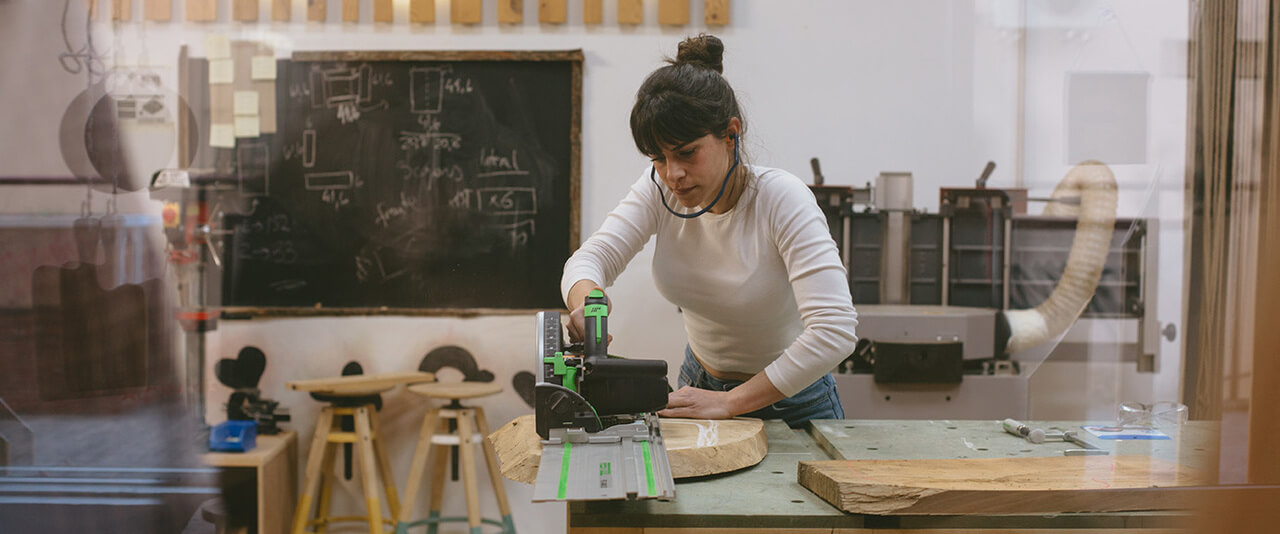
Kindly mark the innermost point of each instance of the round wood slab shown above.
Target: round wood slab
(695, 447)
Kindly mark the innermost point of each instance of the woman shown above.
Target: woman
(747, 255)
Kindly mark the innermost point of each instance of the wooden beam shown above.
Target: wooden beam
(630, 11)
(553, 11)
(466, 11)
(510, 11)
(717, 12)
(422, 11)
(93, 9)
(673, 12)
(122, 10)
(202, 10)
(350, 10)
(244, 10)
(383, 11)
(158, 10)
(592, 11)
(317, 10)
(281, 10)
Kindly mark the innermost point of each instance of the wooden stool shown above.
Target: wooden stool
(429, 440)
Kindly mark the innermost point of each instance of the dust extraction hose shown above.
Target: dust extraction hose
(1093, 186)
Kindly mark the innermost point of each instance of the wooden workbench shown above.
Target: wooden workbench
(768, 498)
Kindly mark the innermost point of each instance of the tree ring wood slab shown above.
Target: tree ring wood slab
(695, 447)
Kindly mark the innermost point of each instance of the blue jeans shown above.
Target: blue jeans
(818, 401)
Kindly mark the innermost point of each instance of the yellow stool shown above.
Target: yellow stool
(358, 403)
(428, 443)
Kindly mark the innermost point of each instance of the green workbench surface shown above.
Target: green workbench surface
(767, 495)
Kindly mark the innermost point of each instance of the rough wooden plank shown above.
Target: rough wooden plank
(716, 12)
(592, 11)
(245, 10)
(673, 12)
(630, 11)
(432, 55)
(93, 9)
(202, 10)
(1058, 484)
(466, 11)
(158, 10)
(317, 10)
(422, 11)
(350, 10)
(695, 447)
(281, 10)
(383, 11)
(510, 11)
(553, 11)
(122, 10)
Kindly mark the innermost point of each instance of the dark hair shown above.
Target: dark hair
(686, 99)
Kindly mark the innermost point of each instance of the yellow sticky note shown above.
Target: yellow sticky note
(247, 126)
(222, 136)
(264, 68)
(246, 103)
(217, 46)
(221, 71)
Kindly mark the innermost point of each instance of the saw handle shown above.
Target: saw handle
(595, 315)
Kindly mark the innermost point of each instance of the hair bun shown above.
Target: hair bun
(702, 50)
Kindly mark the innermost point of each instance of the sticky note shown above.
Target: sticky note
(221, 71)
(247, 126)
(264, 68)
(222, 136)
(246, 103)
(217, 46)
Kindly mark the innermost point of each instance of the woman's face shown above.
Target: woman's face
(694, 171)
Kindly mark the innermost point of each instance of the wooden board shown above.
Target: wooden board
(244, 10)
(122, 10)
(630, 11)
(202, 10)
(466, 11)
(383, 11)
(350, 10)
(158, 10)
(317, 10)
(422, 11)
(695, 447)
(1054, 484)
(281, 10)
(510, 11)
(553, 11)
(674, 12)
(717, 12)
(359, 383)
(592, 11)
(93, 9)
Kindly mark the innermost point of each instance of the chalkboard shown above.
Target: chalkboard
(410, 180)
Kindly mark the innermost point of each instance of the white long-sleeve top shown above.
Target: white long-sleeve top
(761, 286)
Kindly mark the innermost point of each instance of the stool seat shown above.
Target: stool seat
(455, 390)
(348, 392)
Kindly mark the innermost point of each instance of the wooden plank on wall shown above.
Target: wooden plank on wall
(244, 10)
(202, 10)
(422, 11)
(510, 11)
(350, 10)
(553, 11)
(281, 10)
(592, 11)
(466, 11)
(630, 11)
(122, 10)
(675, 12)
(317, 10)
(158, 10)
(383, 11)
(93, 9)
(717, 12)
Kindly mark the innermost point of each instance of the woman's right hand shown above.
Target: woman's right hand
(577, 325)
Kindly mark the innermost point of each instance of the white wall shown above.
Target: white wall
(922, 86)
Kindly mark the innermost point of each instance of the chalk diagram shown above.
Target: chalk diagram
(348, 90)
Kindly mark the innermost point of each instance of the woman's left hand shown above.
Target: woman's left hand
(693, 403)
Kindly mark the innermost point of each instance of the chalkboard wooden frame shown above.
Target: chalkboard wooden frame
(575, 60)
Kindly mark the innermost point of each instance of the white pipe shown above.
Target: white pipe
(1095, 186)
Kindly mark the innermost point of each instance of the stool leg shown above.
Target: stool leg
(368, 469)
(319, 443)
(384, 469)
(441, 453)
(326, 488)
(495, 475)
(466, 456)
(421, 454)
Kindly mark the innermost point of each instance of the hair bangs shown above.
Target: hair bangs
(664, 122)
